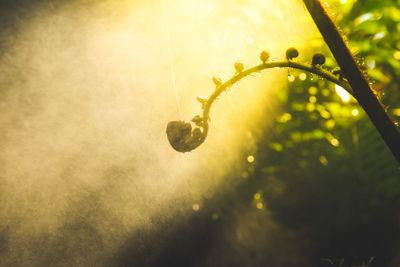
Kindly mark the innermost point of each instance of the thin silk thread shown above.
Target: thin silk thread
(171, 59)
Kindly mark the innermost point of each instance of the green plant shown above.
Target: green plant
(354, 81)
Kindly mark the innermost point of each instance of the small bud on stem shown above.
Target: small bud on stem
(201, 99)
(198, 120)
(239, 67)
(217, 81)
(318, 59)
(291, 53)
(264, 56)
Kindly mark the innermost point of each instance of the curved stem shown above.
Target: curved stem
(184, 139)
(267, 65)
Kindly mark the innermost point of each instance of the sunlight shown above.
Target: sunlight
(89, 109)
(250, 159)
(344, 95)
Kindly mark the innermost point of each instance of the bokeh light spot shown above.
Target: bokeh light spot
(310, 107)
(196, 207)
(285, 117)
(330, 124)
(396, 55)
(334, 142)
(312, 90)
(250, 159)
(325, 114)
(323, 160)
(344, 95)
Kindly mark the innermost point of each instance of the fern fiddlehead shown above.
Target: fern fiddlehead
(184, 138)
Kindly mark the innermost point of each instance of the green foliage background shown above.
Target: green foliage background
(345, 196)
(321, 170)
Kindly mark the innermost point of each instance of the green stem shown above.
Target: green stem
(355, 77)
(268, 65)
(183, 141)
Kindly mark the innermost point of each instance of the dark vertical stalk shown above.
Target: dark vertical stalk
(355, 77)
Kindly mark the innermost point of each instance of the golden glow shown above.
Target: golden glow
(334, 142)
(260, 205)
(250, 159)
(89, 94)
(344, 95)
(355, 112)
(312, 99)
(257, 196)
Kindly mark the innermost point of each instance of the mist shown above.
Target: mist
(85, 96)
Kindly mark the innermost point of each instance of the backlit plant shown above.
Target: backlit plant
(183, 137)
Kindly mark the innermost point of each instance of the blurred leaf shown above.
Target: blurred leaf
(378, 75)
(369, 27)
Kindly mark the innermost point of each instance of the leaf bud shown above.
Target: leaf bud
(291, 53)
(264, 56)
(217, 80)
(197, 119)
(202, 99)
(318, 59)
(239, 67)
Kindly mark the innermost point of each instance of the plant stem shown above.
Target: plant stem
(263, 66)
(273, 64)
(355, 77)
(194, 140)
